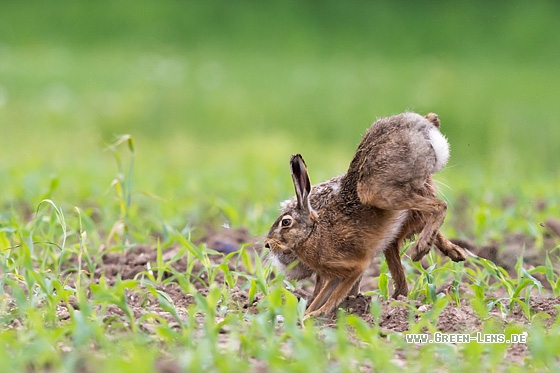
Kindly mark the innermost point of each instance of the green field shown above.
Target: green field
(214, 98)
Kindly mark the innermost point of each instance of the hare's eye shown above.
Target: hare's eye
(286, 222)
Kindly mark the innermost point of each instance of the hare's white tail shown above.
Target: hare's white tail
(441, 147)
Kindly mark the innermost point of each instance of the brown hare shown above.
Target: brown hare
(336, 227)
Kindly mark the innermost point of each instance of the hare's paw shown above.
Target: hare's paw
(455, 253)
(400, 291)
(311, 314)
(315, 314)
(449, 249)
(419, 250)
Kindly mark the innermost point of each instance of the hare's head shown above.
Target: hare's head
(296, 224)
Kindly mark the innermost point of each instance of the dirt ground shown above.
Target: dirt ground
(394, 317)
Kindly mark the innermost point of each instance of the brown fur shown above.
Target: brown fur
(386, 196)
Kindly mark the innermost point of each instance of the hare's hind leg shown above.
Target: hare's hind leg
(449, 249)
(437, 210)
(393, 257)
(434, 211)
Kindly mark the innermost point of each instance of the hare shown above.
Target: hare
(388, 195)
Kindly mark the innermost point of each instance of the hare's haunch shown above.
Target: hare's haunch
(336, 227)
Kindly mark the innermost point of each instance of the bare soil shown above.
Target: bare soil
(395, 314)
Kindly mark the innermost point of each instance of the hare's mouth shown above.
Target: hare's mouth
(276, 247)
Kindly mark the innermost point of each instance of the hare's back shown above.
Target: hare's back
(396, 156)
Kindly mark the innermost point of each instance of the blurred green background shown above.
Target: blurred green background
(217, 95)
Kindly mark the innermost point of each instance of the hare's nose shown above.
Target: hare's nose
(267, 245)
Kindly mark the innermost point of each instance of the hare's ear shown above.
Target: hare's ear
(302, 184)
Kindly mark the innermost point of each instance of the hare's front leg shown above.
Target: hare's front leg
(323, 289)
(337, 295)
(319, 283)
(356, 288)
